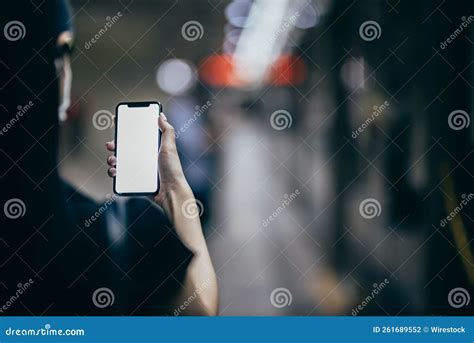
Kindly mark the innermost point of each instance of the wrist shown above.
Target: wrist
(172, 196)
(178, 202)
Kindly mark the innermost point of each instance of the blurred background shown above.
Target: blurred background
(326, 141)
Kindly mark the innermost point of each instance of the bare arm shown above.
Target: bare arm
(199, 290)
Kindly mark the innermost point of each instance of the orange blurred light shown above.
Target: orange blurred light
(219, 71)
(288, 70)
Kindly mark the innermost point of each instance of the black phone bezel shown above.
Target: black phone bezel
(136, 104)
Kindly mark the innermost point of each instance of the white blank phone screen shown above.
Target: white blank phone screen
(137, 149)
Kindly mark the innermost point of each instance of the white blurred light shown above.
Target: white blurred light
(258, 46)
(353, 73)
(233, 36)
(308, 16)
(231, 39)
(228, 47)
(269, 32)
(237, 12)
(176, 76)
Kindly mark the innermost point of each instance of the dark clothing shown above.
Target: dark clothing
(130, 248)
(44, 236)
(127, 246)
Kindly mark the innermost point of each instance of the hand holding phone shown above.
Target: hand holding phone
(172, 183)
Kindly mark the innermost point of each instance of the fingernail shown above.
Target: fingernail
(164, 117)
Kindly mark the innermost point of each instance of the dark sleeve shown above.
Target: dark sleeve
(124, 245)
(62, 18)
(153, 258)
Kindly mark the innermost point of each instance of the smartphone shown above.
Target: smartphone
(137, 139)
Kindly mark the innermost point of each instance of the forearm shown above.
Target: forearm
(200, 282)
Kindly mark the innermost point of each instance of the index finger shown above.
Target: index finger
(110, 146)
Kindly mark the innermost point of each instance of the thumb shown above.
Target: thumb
(168, 139)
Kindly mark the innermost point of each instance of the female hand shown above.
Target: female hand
(171, 178)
